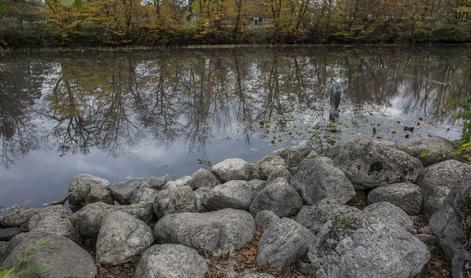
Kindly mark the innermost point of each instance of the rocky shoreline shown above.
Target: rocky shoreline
(309, 210)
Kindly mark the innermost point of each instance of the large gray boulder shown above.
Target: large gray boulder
(405, 195)
(141, 211)
(85, 189)
(438, 180)
(171, 261)
(55, 256)
(278, 196)
(134, 190)
(232, 169)
(182, 181)
(390, 214)
(363, 248)
(236, 194)
(429, 150)
(54, 220)
(451, 224)
(265, 219)
(16, 216)
(218, 231)
(157, 183)
(305, 147)
(293, 155)
(3, 250)
(273, 166)
(88, 219)
(8, 233)
(202, 195)
(121, 237)
(314, 217)
(369, 164)
(283, 243)
(174, 200)
(203, 178)
(318, 178)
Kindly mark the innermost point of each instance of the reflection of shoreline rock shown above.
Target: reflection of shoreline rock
(304, 223)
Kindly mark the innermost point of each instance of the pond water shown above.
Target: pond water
(169, 112)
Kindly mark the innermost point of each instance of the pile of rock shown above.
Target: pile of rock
(297, 196)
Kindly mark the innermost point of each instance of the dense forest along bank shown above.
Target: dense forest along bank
(172, 22)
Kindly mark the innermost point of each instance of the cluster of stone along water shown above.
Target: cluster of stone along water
(300, 197)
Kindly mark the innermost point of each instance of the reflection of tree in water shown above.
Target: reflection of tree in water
(90, 105)
(20, 85)
(112, 101)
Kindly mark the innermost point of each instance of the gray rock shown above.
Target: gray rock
(283, 243)
(183, 181)
(85, 189)
(390, 214)
(133, 191)
(312, 154)
(203, 178)
(236, 194)
(88, 219)
(174, 200)
(279, 173)
(58, 256)
(279, 197)
(3, 251)
(292, 156)
(437, 181)
(256, 185)
(16, 216)
(255, 275)
(314, 217)
(306, 269)
(157, 183)
(451, 224)
(305, 147)
(265, 219)
(405, 195)
(8, 233)
(121, 237)
(202, 195)
(256, 174)
(171, 261)
(318, 178)
(142, 211)
(360, 248)
(219, 231)
(369, 164)
(232, 169)
(431, 241)
(273, 166)
(429, 150)
(54, 220)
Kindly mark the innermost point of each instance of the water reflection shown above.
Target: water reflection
(84, 105)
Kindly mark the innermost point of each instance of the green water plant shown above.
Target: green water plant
(464, 115)
(25, 264)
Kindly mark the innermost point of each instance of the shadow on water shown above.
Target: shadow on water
(144, 113)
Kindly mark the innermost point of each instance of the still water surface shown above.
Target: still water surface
(169, 112)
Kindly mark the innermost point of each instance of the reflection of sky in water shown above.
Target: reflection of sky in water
(47, 175)
(226, 124)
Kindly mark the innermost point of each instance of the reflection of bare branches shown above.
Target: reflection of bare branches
(18, 92)
(110, 102)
